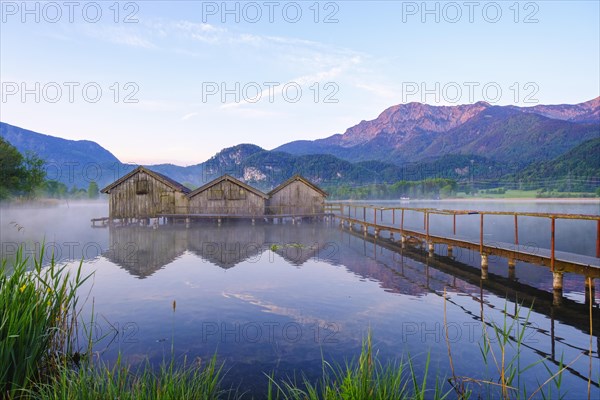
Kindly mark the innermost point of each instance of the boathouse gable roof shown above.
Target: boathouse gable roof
(300, 178)
(173, 184)
(228, 178)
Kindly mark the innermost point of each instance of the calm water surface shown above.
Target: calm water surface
(281, 298)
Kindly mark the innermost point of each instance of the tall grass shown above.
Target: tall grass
(501, 349)
(364, 379)
(38, 321)
(169, 382)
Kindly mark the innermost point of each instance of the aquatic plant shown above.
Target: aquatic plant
(364, 379)
(38, 321)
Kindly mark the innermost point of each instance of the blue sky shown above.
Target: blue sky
(181, 80)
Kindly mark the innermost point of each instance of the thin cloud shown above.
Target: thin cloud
(118, 35)
(188, 116)
(380, 90)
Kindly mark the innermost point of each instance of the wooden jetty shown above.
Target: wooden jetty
(267, 218)
(365, 218)
(568, 312)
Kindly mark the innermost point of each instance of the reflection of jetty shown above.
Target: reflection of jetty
(407, 266)
(144, 195)
(559, 262)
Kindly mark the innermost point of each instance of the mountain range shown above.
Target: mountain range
(405, 142)
(415, 132)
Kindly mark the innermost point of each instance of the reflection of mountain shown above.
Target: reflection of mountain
(143, 250)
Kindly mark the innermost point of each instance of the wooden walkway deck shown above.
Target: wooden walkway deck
(105, 221)
(242, 216)
(563, 261)
(559, 262)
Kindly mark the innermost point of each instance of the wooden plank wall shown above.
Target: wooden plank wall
(201, 203)
(125, 202)
(296, 198)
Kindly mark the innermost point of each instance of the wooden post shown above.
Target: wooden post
(511, 269)
(484, 266)
(552, 243)
(481, 233)
(394, 220)
(381, 214)
(454, 224)
(427, 226)
(402, 221)
(552, 337)
(557, 286)
(589, 290)
(365, 214)
(424, 219)
(557, 280)
(516, 230)
(374, 215)
(598, 239)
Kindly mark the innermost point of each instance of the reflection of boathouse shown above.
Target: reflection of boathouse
(228, 245)
(142, 250)
(143, 194)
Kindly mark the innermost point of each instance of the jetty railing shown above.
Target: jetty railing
(371, 217)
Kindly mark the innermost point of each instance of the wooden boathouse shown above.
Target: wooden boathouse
(227, 196)
(296, 196)
(144, 194)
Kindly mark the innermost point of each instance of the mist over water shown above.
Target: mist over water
(63, 227)
(281, 298)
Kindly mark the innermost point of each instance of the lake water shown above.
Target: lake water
(282, 298)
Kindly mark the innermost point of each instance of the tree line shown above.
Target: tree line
(426, 188)
(24, 176)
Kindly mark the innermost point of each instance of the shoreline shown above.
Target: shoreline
(580, 200)
(528, 199)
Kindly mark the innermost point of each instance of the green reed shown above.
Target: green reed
(363, 379)
(38, 321)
